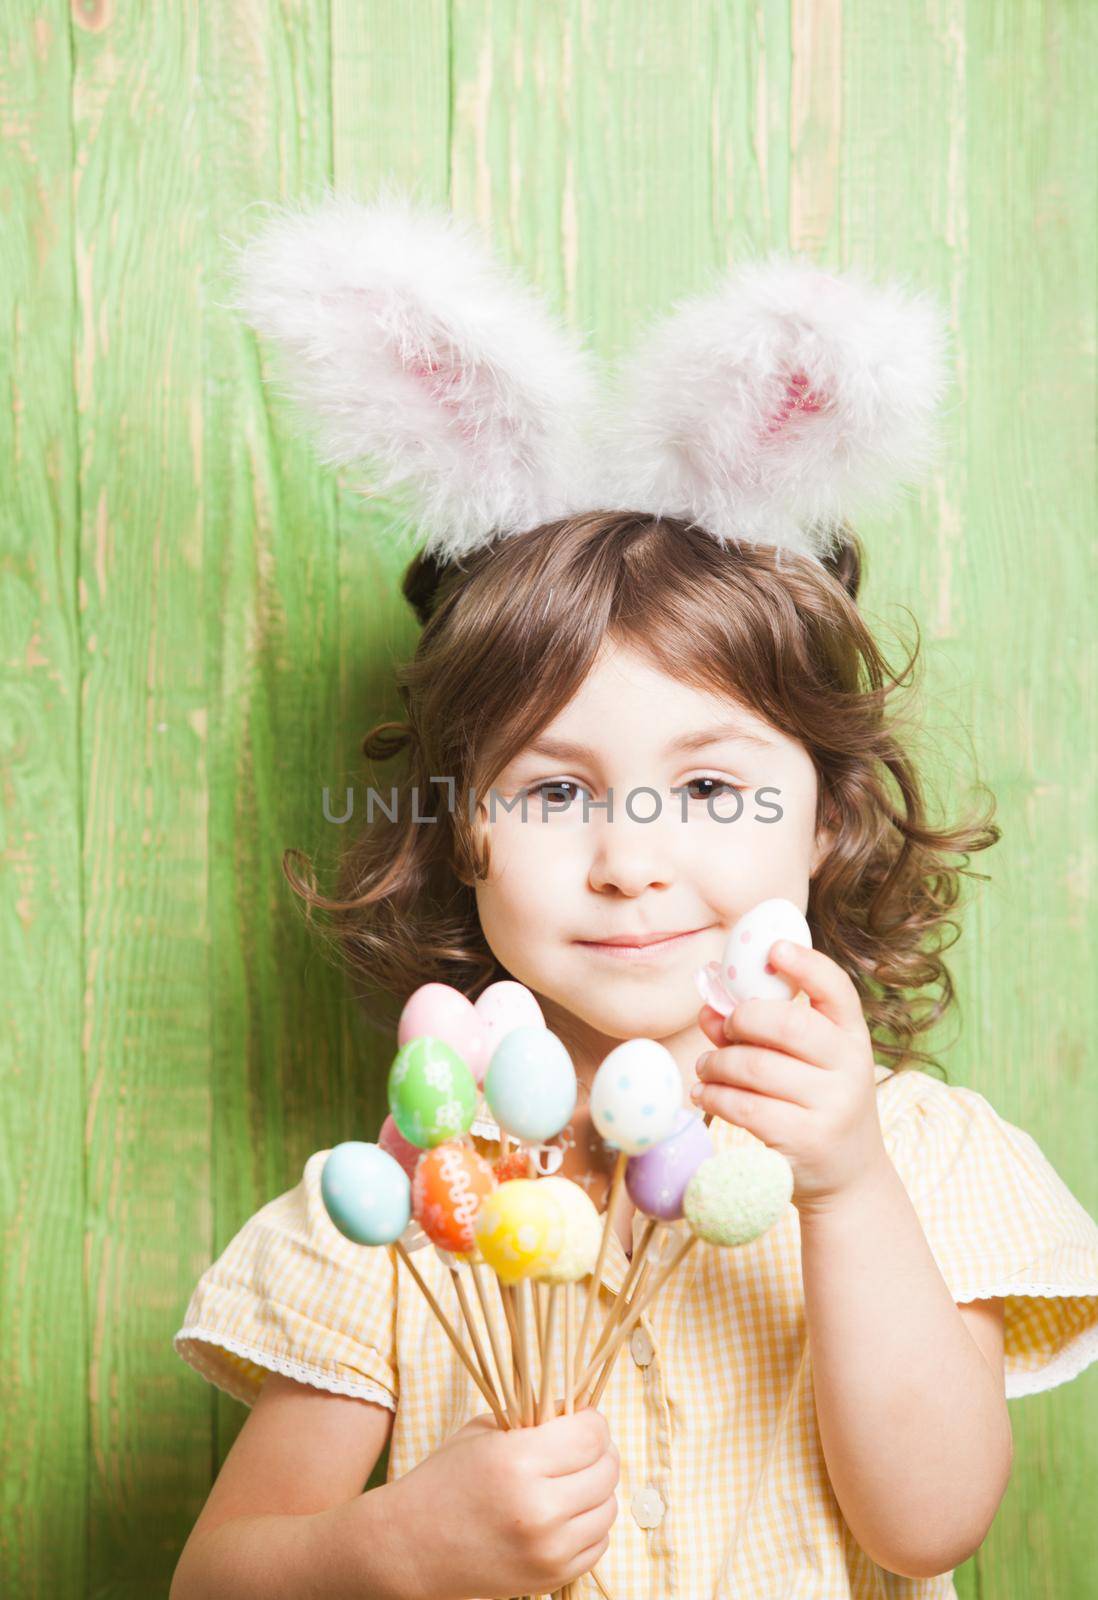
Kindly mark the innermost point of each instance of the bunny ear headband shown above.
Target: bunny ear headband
(770, 409)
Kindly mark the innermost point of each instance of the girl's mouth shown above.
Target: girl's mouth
(645, 952)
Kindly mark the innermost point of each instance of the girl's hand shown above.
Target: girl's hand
(799, 1077)
(503, 1512)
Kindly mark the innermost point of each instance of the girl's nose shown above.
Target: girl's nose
(632, 858)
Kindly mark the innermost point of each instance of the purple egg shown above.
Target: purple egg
(656, 1180)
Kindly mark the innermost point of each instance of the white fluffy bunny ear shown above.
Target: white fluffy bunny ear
(779, 406)
(406, 346)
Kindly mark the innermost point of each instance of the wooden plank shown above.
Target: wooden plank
(43, 1419)
(140, 246)
(963, 164)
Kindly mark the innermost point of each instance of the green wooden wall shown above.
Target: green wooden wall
(199, 624)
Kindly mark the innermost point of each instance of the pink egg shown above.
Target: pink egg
(437, 1010)
(393, 1142)
(503, 1007)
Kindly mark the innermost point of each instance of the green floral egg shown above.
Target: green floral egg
(432, 1093)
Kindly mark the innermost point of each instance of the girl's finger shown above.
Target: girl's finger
(579, 1491)
(711, 1024)
(796, 1030)
(567, 1444)
(778, 1123)
(764, 1072)
(829, 988)
(590, 1526)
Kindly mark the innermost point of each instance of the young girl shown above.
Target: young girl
(692, 707)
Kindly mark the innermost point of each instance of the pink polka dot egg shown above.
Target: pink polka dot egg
(745, 972)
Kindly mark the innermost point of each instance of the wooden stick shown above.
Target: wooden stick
(474, 1335)
(506, 1294)
(450, 1332)
(653, 1288)
(596, 1275)
(518, 1331)
(569, 1343)
(635, 1313)
(536, 1295)
(547, 1352)
(621, 1304)
(546, 1297)
(526, 1302)
(505, 1387)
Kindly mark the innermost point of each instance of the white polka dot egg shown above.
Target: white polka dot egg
(636, 1095)
(745, 972)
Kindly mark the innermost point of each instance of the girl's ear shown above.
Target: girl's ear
(825, 839)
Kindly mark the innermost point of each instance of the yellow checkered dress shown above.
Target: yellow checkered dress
(724, 1489)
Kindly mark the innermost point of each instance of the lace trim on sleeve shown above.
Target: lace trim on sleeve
(189, 1343)
(1075, 1356)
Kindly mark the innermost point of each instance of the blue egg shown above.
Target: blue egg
(530, 1085)
(366, 1193)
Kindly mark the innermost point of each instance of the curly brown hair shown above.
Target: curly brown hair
(510, 633)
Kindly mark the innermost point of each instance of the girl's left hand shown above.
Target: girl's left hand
(800, 1077)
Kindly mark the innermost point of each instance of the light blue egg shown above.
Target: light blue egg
(530, 1085)
(366, 1193)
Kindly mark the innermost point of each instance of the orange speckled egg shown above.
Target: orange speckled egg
(449, 1184)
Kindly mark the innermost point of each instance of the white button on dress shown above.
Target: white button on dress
(648, 1507)
(641, 1347)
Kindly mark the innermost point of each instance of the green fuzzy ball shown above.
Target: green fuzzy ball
(735, 1196)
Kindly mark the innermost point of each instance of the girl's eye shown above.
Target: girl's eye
(720, 783)
(552, 790)
(555, 799)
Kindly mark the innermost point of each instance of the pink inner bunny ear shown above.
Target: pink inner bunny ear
(798, 397)
(465, 393)
(444, 383)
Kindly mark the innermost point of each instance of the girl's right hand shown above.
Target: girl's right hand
(495, 1513)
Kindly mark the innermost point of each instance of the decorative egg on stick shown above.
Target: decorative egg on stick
(635, 1098)
(744, 971)
(530, 1085)
(450, 1184)
(501, 1008)
(367, 1195)
(732, 1198)
(656, 1179)
(438, 1011)
(432, 1093)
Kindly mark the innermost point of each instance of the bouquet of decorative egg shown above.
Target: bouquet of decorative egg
(494, 1069)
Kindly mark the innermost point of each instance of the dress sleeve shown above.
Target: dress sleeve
(290, 1294)
(1000, 1221)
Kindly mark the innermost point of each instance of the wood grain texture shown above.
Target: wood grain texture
(200, 623)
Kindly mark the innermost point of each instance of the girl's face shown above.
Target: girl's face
(559, 882)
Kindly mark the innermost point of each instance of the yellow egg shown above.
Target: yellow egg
(582, 1233)
(520, 1229)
